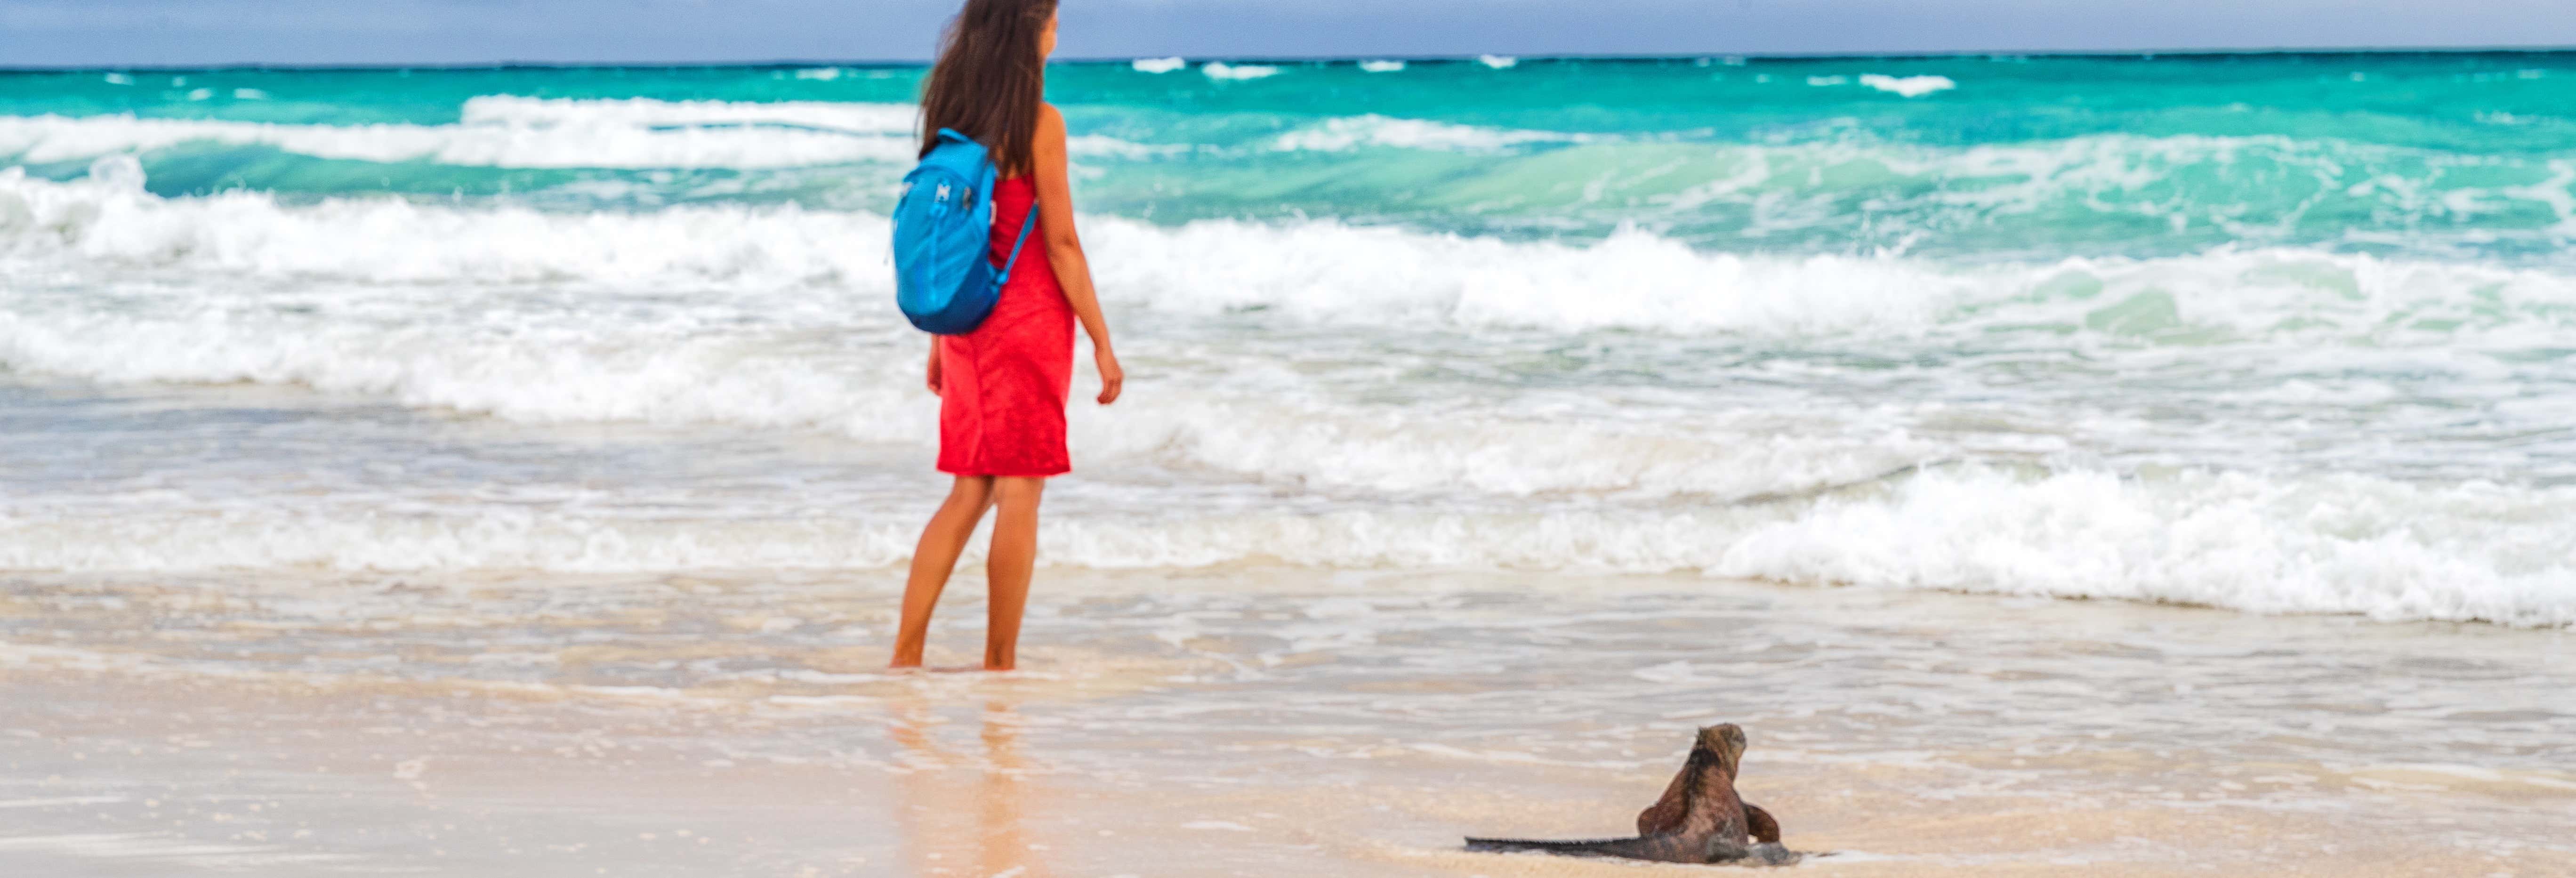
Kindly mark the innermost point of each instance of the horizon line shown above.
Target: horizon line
(2141, 54)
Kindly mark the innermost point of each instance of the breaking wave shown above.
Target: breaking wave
(518, 132)
(776, 316)
(2328, 545)
(1321, 270)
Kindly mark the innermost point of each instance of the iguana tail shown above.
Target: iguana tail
(1655, 847)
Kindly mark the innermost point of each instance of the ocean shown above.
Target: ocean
(1585, 384)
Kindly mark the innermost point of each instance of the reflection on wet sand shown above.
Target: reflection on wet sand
(946, 823)
(1231, 723)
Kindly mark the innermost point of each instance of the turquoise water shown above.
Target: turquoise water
(2274, 332)
(2454, 154)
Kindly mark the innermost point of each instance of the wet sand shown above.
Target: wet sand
(1245, 722)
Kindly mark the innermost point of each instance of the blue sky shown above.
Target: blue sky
(111, 32)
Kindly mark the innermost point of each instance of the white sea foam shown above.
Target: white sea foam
(537, 316)
(1321, 270)
(767, 343)
(509, 131)
(108, 220)
(780, 362)
(1351, 132)
(778, 276)
(862, 118)
(1159, 65)
(1381, 66)
(1099, 146)
(1498, 62)
(1333, 272)
(1909, 86)
(2320, 545)
(2342, 544)
(607, 145)
(438, 318)
(1224, 71)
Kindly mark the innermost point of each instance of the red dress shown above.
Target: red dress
(1002, 387)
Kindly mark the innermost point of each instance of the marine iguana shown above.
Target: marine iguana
(1700, 819)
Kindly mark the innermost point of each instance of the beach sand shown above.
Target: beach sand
(1248, 721)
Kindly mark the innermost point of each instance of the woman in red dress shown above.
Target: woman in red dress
(1003, 387)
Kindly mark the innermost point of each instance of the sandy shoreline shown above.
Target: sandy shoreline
(1253, 722)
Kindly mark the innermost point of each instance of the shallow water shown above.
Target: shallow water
(1257, 721)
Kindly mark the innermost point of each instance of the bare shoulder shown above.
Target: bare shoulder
(1047, 143)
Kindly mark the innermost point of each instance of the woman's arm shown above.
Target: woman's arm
(1064, 248)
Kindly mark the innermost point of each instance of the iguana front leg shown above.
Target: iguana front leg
(1761, 825)
(1665, 815)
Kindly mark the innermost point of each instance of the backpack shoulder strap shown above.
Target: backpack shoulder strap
(1026, 226)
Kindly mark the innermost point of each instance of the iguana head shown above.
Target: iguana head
(1726, 742)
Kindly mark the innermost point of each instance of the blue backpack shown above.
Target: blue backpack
(943, 229)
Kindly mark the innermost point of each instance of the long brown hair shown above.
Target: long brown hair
(990, 79)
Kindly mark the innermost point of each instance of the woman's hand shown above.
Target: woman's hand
(934, 367)
(1112, 378)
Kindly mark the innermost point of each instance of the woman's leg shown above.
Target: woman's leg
(942, 540)
(1015, 554)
